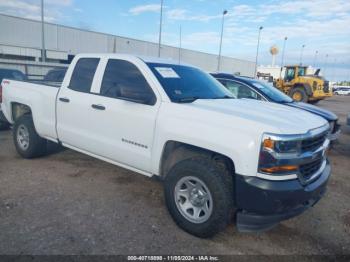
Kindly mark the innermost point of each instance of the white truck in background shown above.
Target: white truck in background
(219, 158)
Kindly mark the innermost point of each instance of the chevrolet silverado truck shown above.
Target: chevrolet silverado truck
(221, 159)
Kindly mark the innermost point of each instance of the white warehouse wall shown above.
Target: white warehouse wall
(25, 33)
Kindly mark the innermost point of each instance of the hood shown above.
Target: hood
(326, 114)
(285, 119)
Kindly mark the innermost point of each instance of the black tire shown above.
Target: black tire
(314, 102)
(37, 146)
(299, 90)
(220, 186)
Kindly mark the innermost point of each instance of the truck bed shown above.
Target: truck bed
(40, 98)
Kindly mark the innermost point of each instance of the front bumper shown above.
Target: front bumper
(263, 203)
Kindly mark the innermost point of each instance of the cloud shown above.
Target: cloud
(185, 15)
(59, 2)
(151, 8)
(20, 5)
(177, 14)
(317, 23)
(32, 10)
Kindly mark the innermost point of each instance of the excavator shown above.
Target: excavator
(303, 87)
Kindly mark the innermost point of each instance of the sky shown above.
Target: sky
(323, 26)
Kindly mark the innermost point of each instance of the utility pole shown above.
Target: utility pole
(43, 55)
(257, 52)
(282, 59)
(301, 54)
(160, 27)
(222, 33)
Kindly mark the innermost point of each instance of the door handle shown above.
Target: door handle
(64, 99)
(98, 107)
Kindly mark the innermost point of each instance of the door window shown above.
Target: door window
(242, 91)
(83, 74)
(290, 73)
(123, 79)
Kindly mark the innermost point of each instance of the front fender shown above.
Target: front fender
(241, 147)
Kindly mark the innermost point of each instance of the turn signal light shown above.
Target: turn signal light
(268, 143)
(279, 169)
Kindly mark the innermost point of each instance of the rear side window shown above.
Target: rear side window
(83, 74)
(124, 79)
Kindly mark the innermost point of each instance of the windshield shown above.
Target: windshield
(186, 83)
(271, 92)
(301, 71)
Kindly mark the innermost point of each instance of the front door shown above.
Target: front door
(124, 127)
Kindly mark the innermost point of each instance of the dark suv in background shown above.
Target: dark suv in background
(245, 87)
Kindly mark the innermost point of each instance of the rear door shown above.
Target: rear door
(125, 126)
(74, 106)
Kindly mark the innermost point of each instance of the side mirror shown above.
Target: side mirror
(137, 96)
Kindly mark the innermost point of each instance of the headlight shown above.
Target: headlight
(280, 146)
(272, 146)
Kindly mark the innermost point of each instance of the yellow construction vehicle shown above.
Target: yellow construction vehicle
(302, 87)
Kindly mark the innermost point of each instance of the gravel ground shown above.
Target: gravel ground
(69, 203)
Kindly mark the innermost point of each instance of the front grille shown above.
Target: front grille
(307, 170)
(313, 143)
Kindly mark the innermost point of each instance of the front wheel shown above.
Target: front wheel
(27, 141)
(314, 102)
(298, 94)
(199, 196)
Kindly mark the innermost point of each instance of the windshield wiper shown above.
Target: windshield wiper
(284, 102)
(224, 97)
(187, 99)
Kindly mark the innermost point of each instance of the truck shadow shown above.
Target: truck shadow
(54, 148)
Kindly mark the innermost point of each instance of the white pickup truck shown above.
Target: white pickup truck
(221, 159)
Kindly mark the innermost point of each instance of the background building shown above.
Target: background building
(20, 47)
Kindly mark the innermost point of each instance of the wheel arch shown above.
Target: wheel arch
(174, 152)
(305, 86)
(19, 109)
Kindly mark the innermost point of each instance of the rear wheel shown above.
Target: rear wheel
(298, 94)
(199, 197)
(28, 143)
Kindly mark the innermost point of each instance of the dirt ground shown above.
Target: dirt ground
(69, 203)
